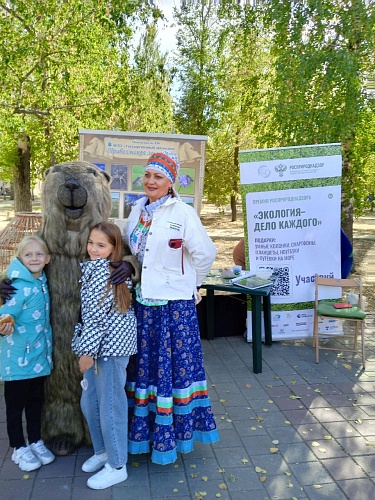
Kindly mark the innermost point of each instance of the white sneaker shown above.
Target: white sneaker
(25, 459)
(42, 452)
(107, 477)
(95, 462)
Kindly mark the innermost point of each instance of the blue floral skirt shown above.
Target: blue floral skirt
(166, 387)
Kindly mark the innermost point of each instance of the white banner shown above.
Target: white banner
(292, 204)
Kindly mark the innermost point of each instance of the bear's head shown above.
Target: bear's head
(75, 197)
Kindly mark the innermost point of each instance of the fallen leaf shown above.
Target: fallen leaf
(293, 382)
(175, 490)
(275, 441)
(293, 396)
(289, 485)
(322, 450)
(270, 386)
(181, 481)
(135, 464)
(248, 386)
(317, 390)
(193, 466)
(26, 476)
(221, 470)
(348, 367)
(315, 444)
(370, 443)
(204, 478)
(223, 486)
(229, 420)
(317, 486)
(358, 421)
(222, 400)
(328, 437)
(262, 479)
(253, 428)
(231, 478)
(270, 401)
(274, 450)
(218, 495)
(286, 422)
(288, 474)
(244, 460)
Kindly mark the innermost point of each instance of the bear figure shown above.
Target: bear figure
(75, 197)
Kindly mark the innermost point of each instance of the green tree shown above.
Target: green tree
(221, 57)
(322, 50)
(197, 41)
(60, 62)
(145, 103)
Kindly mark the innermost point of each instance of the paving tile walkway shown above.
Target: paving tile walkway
(298, 430)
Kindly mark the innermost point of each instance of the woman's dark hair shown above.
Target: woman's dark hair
(121, 291)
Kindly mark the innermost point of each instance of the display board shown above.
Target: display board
(123, 156)
(292, 205)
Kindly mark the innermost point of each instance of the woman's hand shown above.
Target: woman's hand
(85, 363)
(122, 271)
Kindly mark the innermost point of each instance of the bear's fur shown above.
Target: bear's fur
(75, 197)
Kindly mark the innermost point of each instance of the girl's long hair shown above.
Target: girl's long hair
(121, 292)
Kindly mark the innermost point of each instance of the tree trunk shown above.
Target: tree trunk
(347, 208)
(233, 207)
(21, 176)
(233, 197)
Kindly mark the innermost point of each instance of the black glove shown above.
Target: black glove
(122, 271)
(6, 290)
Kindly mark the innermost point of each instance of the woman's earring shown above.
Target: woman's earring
(170, 190)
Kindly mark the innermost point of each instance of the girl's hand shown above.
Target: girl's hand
(6, 324)
(85, 363)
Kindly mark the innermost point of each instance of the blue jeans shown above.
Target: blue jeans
(105, 407)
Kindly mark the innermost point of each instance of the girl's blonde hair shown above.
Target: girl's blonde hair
(30, 239)
(121, 291)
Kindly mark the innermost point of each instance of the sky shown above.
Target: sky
(166, 30)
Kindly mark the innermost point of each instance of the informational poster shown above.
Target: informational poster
(124, 155)
(292, 205)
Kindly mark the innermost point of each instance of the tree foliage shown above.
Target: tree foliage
(64, 64)
(322, 50)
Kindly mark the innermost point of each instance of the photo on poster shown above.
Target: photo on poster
(188, 201)
(187, 152)
(99, 165)
(115, 209)
(129, 200)
(185, 182)
(119, 174)
(137, 177)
